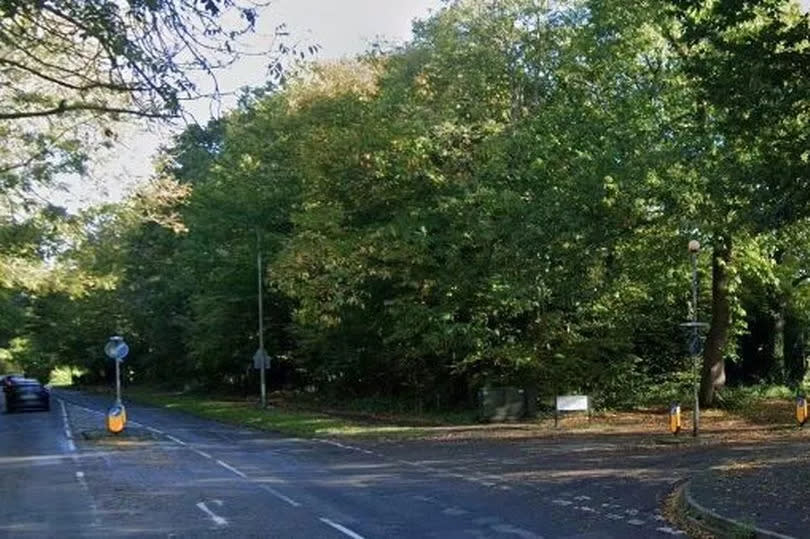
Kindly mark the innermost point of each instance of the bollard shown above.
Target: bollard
(675, 418)
(116, 418)
(801, 411)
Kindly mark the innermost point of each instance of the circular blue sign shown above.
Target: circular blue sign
(121, 351)
(116, 348)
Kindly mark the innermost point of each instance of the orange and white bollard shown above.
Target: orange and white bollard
(801, 411)
(675, 418)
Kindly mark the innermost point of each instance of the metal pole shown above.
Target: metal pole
(118, 381)
(695, 337)
(261, 317)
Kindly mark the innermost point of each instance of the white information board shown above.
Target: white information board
(573, 403)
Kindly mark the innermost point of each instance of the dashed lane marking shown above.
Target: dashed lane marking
(176, 440)
(202, 453)
(218, 520)
(279, 495)
(232, 469)
(341, 528)
(513, 530)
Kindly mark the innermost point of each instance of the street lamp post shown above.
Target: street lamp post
(694, 249)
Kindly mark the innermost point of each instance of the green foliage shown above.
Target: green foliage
(505, 200)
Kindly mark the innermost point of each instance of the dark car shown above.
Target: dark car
(7, 379)
(26, 394)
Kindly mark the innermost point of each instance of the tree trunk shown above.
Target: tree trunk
(713, 375)
(795, 366)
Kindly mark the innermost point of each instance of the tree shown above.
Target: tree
(749, 66)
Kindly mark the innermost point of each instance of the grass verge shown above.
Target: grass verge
(285, 420)
(760, 420)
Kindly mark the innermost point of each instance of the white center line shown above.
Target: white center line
(279, 495)
(218, 520)
(342, 529)
(202, 453)
(175, 440)
(231, 468)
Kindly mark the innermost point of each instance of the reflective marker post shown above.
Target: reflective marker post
(801, 411)
(675, 418)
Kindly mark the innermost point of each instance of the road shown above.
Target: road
(198, 478)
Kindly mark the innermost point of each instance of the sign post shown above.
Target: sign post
(262, 367)
(116, 349)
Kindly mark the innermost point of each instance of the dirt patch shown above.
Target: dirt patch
(128, 439)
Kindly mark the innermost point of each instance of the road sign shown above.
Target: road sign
(122, 351)
(261, 354)
(116, 348)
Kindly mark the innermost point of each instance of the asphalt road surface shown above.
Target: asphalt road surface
(196, 478)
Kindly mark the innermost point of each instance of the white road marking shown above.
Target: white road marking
(338, 444)
(176, 440)
(586, 509)
(93, 507)
(79, 474)
(613, 516)
(342, 529)
(68, 433)
(202, 453)
(454, 511)
(218, 520)
(636, 522)
(561, 502)
(232, 469)
(279, 495)
(512, 530)
(671, 531)
(203, 507)
(631, 512)
(582, 498)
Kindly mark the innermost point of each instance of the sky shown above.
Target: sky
(340, 27)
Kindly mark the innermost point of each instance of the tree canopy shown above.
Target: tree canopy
(507, 199)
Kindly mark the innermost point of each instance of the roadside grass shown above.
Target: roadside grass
(757, 415)
(291, 421)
